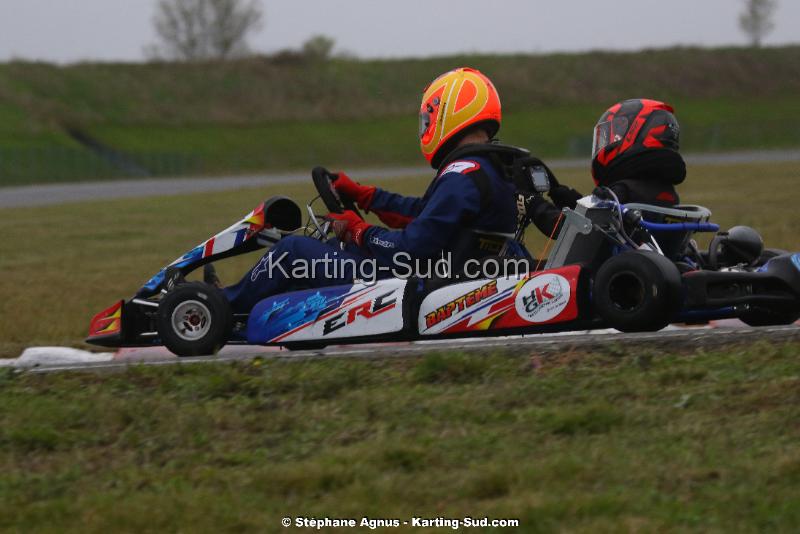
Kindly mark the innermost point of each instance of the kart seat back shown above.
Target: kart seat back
(471, 244)
(673, 244)
(477, 244)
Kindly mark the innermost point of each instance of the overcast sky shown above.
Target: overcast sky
(74, 30)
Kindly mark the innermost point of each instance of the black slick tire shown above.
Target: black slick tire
(194, 319)
(637, 291)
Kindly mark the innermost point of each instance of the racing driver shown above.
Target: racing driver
(635, 153)
(459, 117)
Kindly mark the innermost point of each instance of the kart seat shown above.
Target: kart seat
(471, 244)
(673, 243)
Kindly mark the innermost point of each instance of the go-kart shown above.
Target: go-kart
(632, 267)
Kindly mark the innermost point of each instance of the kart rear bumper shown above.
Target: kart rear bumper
(768, 289)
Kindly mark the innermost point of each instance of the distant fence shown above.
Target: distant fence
(20, 166)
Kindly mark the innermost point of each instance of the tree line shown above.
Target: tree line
(193, 30)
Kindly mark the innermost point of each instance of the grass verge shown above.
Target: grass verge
(600, 442)
(552, 130)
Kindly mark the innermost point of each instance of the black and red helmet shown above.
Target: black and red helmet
(637, 138)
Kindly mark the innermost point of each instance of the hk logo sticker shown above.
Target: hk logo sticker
(543, 298)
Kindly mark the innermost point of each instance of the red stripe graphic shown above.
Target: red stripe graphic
(209, 248)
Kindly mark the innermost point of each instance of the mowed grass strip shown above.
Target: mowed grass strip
(549, 130)
(62, 264)
(599, 442)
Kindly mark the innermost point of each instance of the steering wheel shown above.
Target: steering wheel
(323, 181)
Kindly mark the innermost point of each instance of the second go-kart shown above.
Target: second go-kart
(631, 267)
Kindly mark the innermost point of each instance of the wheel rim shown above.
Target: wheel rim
(191, 320)
(626, 291)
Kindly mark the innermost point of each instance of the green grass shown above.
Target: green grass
(62, 264)
(264, 89)
(552, 131)
(266, 114)
(214, 148)
(605, 441)
(598, 442)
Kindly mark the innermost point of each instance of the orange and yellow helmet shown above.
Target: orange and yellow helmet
(453, 102)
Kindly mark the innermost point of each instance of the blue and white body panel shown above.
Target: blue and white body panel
(258, 229)
(329, 313)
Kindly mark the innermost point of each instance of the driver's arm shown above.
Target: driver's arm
(454, 198)
(394, 210)
(545, 216)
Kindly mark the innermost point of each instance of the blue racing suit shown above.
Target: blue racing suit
(426, 228)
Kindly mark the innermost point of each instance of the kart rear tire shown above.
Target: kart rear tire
(194, 319)
(761, 317)
(637, 291)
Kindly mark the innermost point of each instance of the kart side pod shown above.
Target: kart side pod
(510, 303)
(353, 311)
(358, 312)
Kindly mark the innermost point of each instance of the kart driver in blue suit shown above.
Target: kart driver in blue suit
(459, 116)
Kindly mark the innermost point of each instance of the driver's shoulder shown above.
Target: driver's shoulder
(468, 177)
(466, 166)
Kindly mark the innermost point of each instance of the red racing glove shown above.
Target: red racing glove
(360, 194)
(349, 227)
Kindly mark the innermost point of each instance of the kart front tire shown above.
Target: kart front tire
(637, 291)
(194, 319)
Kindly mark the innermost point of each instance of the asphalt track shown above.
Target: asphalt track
(44, 195)
(674, 339)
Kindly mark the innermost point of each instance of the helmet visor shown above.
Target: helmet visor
(608, 132)
(424, 123)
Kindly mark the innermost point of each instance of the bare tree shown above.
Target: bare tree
(318, 47)
(756, 19)
(205, 29)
